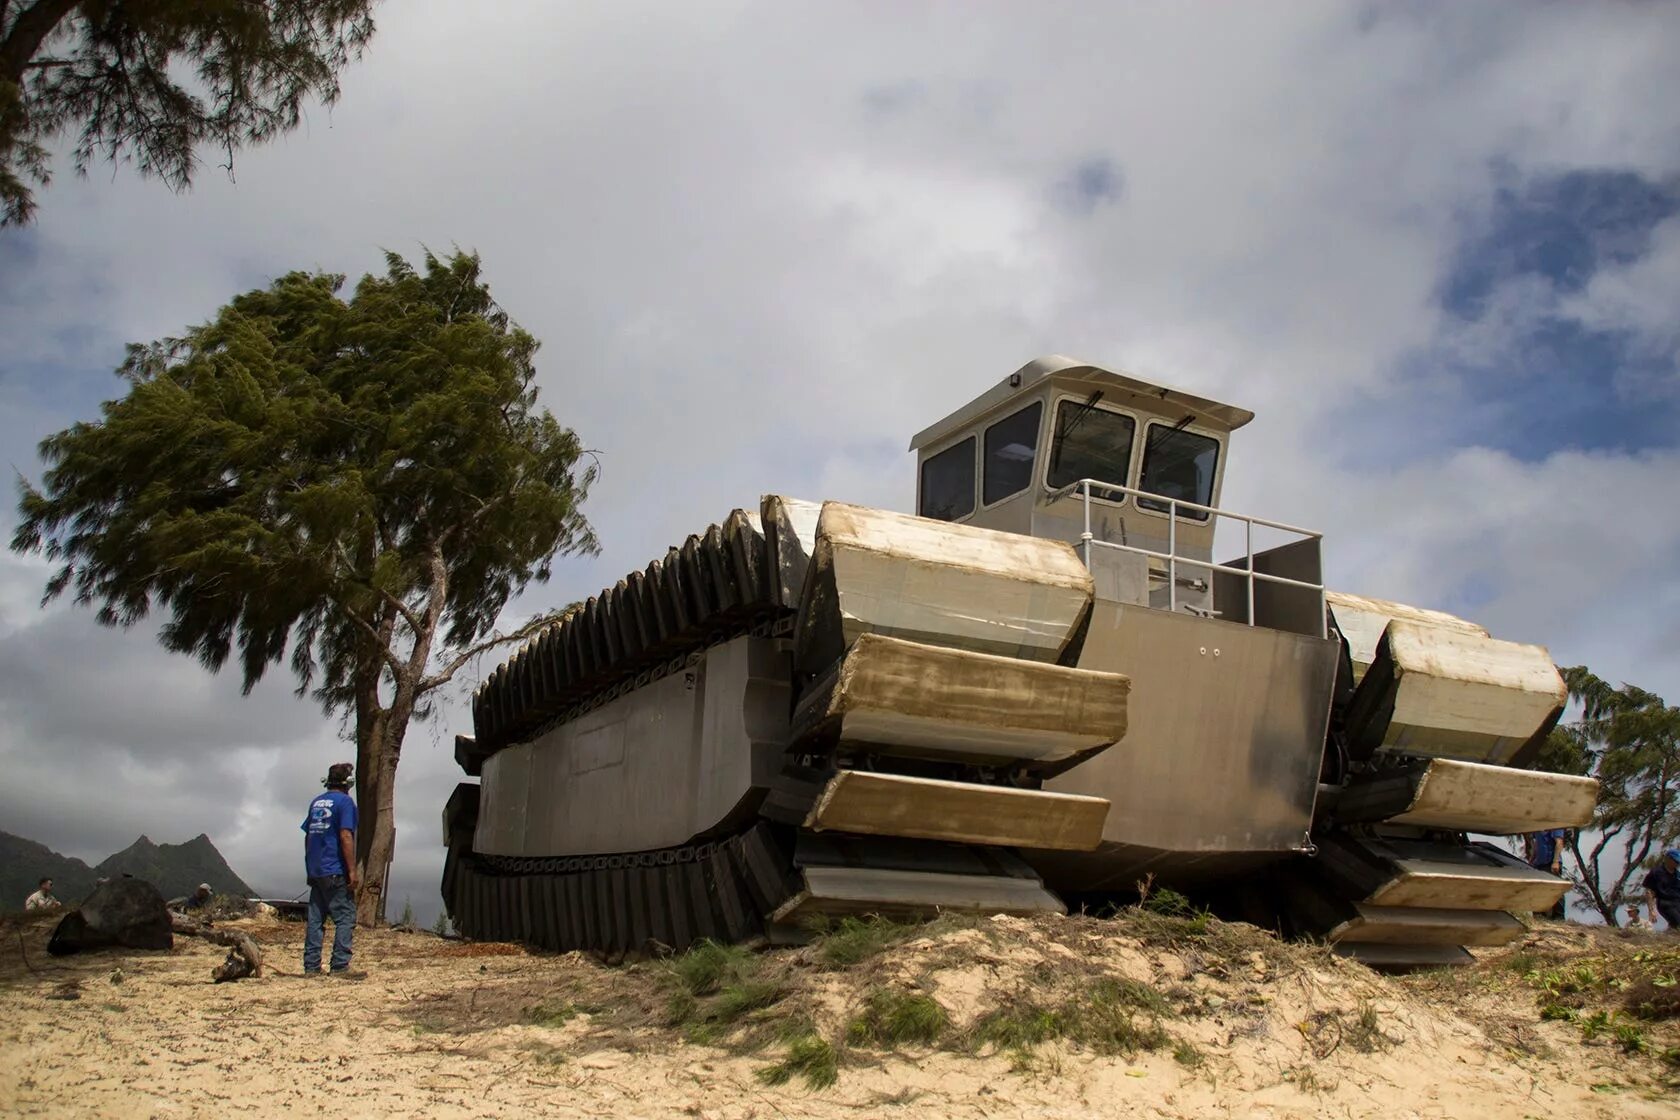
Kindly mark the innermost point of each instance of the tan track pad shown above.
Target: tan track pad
(907, 698)
(1417, 925)
(837, 891)
(930, 809)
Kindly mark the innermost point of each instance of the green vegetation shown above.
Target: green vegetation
(852, 941)
(545, 1015)
(892, 1018)
(149, 81)
(354, 487)
(808, 1056)
(1108, 1016)
(1365, 1033)
(713, 988)
(1187, 1054)
(1628, 739)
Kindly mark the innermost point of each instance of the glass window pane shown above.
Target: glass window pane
(1091, 442)
(1178, 464)
(1010, 445)
(948, 482)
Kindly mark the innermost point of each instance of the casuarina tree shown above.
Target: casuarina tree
(150, 81)
(355, 487)
(1628, 739)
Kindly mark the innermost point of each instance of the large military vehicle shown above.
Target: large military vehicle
(1043, 688)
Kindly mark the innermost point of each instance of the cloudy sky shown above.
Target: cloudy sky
(1436, 248)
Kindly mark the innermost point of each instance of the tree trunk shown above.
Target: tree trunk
(376, 836)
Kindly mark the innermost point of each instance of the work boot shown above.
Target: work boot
(348, 974)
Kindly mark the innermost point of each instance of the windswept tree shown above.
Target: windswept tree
(359, 485)
(1629, 740)
(152, 81)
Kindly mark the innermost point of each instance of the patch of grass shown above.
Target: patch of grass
(736, 1000)
(1186, 1054)
(552, 1016)
(1132, 993)
(809, 1056)
(1594, 1024)
(1653, 998)
(1016, 1026)
(1166, 901)
(893, 1018)
(1109, 1027)
(1305, 1078)
(713, 988)
(1630, 1037)
(706, 966)
(1365, 1033)
(1557, 1013)
(1111, 1017)
(855, 940)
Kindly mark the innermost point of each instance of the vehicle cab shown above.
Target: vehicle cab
(1066, 450)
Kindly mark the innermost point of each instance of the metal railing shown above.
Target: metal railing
(1173, 560)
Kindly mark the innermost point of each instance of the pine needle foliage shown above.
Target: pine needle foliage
(149, 82)
(355, 487)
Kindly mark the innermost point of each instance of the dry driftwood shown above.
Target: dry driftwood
(243, 959)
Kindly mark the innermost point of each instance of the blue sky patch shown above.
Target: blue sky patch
(1090, 183)
(1511, 369)
(1562, 229)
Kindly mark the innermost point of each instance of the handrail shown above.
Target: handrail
(1087, 539)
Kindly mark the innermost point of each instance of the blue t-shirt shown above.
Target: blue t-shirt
(1545, 848)
(328, 813)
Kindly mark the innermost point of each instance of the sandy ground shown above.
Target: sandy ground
(444, 1029)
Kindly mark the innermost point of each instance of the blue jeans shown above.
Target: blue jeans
(329, 895)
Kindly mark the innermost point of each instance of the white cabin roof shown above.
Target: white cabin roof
(1115, 387)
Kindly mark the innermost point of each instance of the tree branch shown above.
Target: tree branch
(447, 673)
(382, 641)
(28, 32)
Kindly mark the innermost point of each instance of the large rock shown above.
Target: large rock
(124, 912)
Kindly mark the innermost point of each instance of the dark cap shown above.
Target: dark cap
(338, 774)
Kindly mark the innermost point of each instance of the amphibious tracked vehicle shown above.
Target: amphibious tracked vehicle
(1042, 688)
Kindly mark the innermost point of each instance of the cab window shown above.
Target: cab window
(948, 483)
(1091, 442)
(1010, 446)
(1178, 464)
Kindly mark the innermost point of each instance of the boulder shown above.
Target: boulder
(124, 912)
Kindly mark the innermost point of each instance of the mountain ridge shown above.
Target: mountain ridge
(174, 869)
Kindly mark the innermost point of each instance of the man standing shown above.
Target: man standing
(329, 859)
(1662, 890)
(1545, 853)
(42, 899)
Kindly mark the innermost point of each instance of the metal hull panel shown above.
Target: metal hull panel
(1224, 740)
(680, 756)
